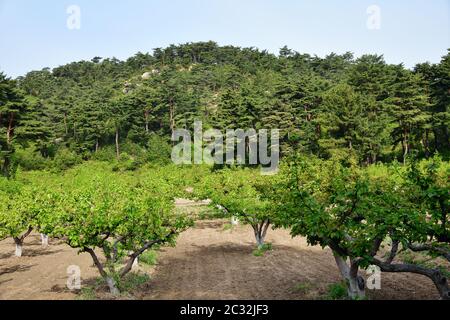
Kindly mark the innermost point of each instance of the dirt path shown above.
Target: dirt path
(207, 263)
(41, 273)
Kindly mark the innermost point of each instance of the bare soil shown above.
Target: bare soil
(209, 262)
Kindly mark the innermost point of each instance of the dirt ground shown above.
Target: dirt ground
(209, 262)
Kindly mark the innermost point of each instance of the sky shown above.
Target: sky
(35, 34)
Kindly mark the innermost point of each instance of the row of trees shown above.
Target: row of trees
(115, 218)
(368, 216)
(365, 216)
(332, 106)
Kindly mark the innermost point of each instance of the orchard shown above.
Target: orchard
(366, 217)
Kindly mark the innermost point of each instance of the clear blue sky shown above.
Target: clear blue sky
(34, 35)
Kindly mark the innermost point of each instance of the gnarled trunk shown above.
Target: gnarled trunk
(439, 280)
(260, 230)
(19, 242)
(112, 286)
(110, 281)
(355, 283)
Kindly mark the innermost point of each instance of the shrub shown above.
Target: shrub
(337, 291)
(28, 160)
(159, 150)
(65, 159)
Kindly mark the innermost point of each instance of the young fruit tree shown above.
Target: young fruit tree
(19, 212)
(241, 193)
(426, 230)
(115, 221)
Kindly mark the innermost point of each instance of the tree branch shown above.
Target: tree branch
(434, 249)
(137, 253)
(96, 261)
(435, 275)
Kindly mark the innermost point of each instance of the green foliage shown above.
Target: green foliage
(352, 210)
(65, 159)
(337, 106)
(91, 207)
(242, 193)
(263, 249)
(28, 160)
(337, 291)
(303, 288)
(158, 150)
(149, 257)
(133, 281)
(338, 116)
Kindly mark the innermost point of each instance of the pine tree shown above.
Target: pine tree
(408, 103)
(342, 121)
(12, 110)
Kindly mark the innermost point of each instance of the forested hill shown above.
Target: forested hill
(338, 106)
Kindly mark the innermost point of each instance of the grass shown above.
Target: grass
(130, 283)
(133, 281)
(260, 251)
(208, 213)
(303, 287)
(87, 293)
(227, 226)
(337, 291)
(149, 257)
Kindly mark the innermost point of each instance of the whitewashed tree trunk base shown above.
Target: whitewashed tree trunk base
(135, 264)
(44, 240)
(259, 241)
(112, 286)
(18, 252)
(355, 284)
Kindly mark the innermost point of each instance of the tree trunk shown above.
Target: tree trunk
(146, 114)
(427, 143)
(9, 131)
(405, 147)
(439, 280)
(112, 286)
(19, 242)
(260, 230)
(355, 283)
(259, 241)
(135, 264)
(44, 240)
(436, 139)
(19, 249)
(97, 145)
